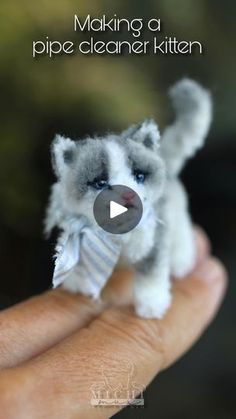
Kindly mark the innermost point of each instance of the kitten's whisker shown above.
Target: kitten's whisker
(160, 221)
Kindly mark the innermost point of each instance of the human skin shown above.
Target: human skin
(52, 345)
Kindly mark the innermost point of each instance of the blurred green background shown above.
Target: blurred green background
(78, 95)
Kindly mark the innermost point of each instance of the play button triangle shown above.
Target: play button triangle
(116, 209)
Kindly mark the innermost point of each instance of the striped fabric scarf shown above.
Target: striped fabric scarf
(90, 253)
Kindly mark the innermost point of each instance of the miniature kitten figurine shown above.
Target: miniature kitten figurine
(141, 159)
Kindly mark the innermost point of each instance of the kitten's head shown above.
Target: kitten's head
(84, 168)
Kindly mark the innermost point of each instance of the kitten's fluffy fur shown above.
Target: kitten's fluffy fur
(163, 245)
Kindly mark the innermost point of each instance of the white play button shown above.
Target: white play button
(116, 209)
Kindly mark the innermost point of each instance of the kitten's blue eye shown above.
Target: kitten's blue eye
(139, 176)
(99, 183)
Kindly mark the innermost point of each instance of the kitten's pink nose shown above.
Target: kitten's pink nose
(128, 196)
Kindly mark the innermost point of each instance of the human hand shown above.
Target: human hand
(52, 346)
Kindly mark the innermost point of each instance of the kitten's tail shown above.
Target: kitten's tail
(193, 109)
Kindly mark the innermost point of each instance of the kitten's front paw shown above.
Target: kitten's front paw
(74, 285)
(152, 303)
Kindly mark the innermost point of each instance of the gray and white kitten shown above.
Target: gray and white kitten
(149, 164)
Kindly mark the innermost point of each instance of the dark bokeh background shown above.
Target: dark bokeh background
(80, 95)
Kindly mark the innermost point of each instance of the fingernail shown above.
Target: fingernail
(211, 270)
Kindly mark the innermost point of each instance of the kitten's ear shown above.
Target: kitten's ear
(147, 133)
(63, 154)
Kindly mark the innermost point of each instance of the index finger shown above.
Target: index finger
(31, 327)
(35, 325)
(58, 383)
